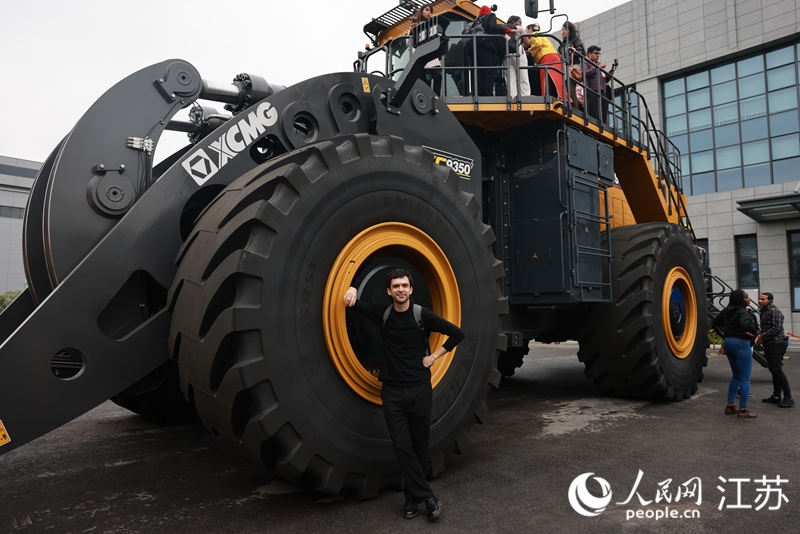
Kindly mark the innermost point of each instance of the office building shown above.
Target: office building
(720, 77)
(16, 179)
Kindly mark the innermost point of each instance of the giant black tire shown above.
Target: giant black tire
(635, 347)
(258, 279)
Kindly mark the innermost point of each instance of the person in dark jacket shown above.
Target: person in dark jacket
(595, 97)
(572, 51)
(739, 328)
(491, 50)
(774, 341)
(406, 381)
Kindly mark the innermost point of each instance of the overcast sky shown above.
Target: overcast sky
(58, 56)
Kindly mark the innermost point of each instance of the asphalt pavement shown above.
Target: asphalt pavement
(110, 471)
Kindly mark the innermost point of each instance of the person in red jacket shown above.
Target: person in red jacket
(491, 50)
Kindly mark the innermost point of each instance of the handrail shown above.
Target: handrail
(629, 120)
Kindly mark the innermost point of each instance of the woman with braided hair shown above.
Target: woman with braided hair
(739, 328)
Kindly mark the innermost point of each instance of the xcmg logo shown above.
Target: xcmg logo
(584, 502)
(235, 139)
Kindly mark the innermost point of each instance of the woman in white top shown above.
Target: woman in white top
(517, 60)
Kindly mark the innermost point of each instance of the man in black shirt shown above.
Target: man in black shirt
(774, 341)
(406, 381)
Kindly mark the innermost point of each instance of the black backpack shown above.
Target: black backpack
(417, 310)
(473, 28)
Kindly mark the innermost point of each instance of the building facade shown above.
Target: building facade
(16, 179)
(720, 78)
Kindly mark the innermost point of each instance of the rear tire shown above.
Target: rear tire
(257, 329)
(650, 342)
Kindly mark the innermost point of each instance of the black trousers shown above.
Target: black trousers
(774, 352)
(436, 80)
(533, 78)
(407, 410)
(487, 58)
(595, 105)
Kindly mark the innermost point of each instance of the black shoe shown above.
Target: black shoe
(772, 399)
(786, 403)
(410, 510)
(434, 507)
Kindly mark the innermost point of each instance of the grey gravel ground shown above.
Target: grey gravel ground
(113, 472)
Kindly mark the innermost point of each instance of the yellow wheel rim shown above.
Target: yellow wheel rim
(396, 240)
(680, 328)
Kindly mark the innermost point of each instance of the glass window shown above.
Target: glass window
(786, 146)
(723, 93)
(681, 143)
(755, 175)
(726, 135)
(781, 77)
(698, 99)
(674, 87)
(747, 260)
(702, 140)
(398, 56)
(700, 120)
(737, 124)
(750, 66)
(12, 212)
(696, 81)
(674, 105)
(724, 73)
(753, 107)
(783, 123)
(702, 161)
(754, 129)
(751, 86)
(755, 152)
(703, 183)
(785, 170)
(780, 57)
(729, 179)
(726, 114)
(783, 99)
(794, 268)
(686, 169)
(703, 243)
(676, 125)
(728, 157)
